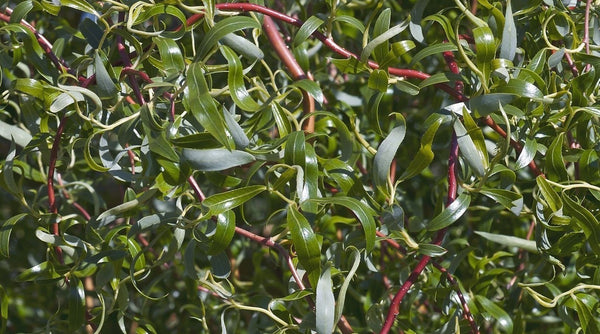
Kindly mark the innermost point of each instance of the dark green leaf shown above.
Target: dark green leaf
(235, 80)
(496, 312)
(451, 214)
(198, 100)
(5, 231)
(221, 29)
(228, 200)
(305, 243)
(385, 155)
(555, 166)
(510, 200)
(510, 241)
(508, 46)
(311, 25)
(224, 232)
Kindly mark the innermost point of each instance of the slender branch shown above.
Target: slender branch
(51, 194)
(439, 237)
(127, 62)
(586, 29)
(249, 7)
(295, 70)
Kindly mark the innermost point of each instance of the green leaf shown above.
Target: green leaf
(586, 221)
(76, 304)
(235, 79)
(362, 211)
(407, 87)
(521, 88)
(92, 32)
(81, 5)
(416, 14)
(311, 88)
(40, 272)
(383, 38)
(5, 231)
(339, 307)
(431, 250)
(551, 197)
(496, 312)
(308, 28)
(20, 11)
(198, 100)
(431, 50)
(508, 46)
(352, 21)
(295, 149)
(222, 202)
(142, 12)
(486, 49)
(510, 241)
(385, 155)
(106, 87)
(382, 24)
(3, 309)
(472, 147)
(305, 243)
(527, 154)
(170, 55)
(587, 319)
(243, 46)
(555, 166)
(215, 159)
(237, 133)
(325, 303)
(510, 200)
(425, 154)
(451, 214)
(223, 234)
(221, 29)
(378, 80)
(220, 265)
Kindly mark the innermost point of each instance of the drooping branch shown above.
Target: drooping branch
(51, 194)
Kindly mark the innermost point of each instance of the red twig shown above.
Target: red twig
(127, 62)
(295, 70)
(414, 275)
(51, 194)
(249, 7)
(66, 195)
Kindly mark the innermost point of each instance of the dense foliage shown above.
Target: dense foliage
(287, 166)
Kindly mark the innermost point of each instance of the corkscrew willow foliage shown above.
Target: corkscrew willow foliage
(296, 166)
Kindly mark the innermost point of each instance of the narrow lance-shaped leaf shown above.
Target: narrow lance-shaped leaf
(508, 46)
(76, 304)
(504, 320)
(586, 221)
(425, 154)
(221, 29)
(170, 55)
(311, 25)
(385, 155)
(468, 150)
(243, 46)
(363, 212)
(527, 154)
(382, 24)
(224, 232)
(339, 306)
(510, 200)
(477, 136)
(235, 79)
(198, 100)
(510, 241)
(451, 214)
(384, 37)
(305, 243)
(555, 166)
(325, 303)
(5, 231)
(228, 200)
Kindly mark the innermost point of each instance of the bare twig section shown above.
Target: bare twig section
(308, 102)
(586, 30)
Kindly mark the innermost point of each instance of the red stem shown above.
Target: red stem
(51, 194)
(295, 70)
(439, 237)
